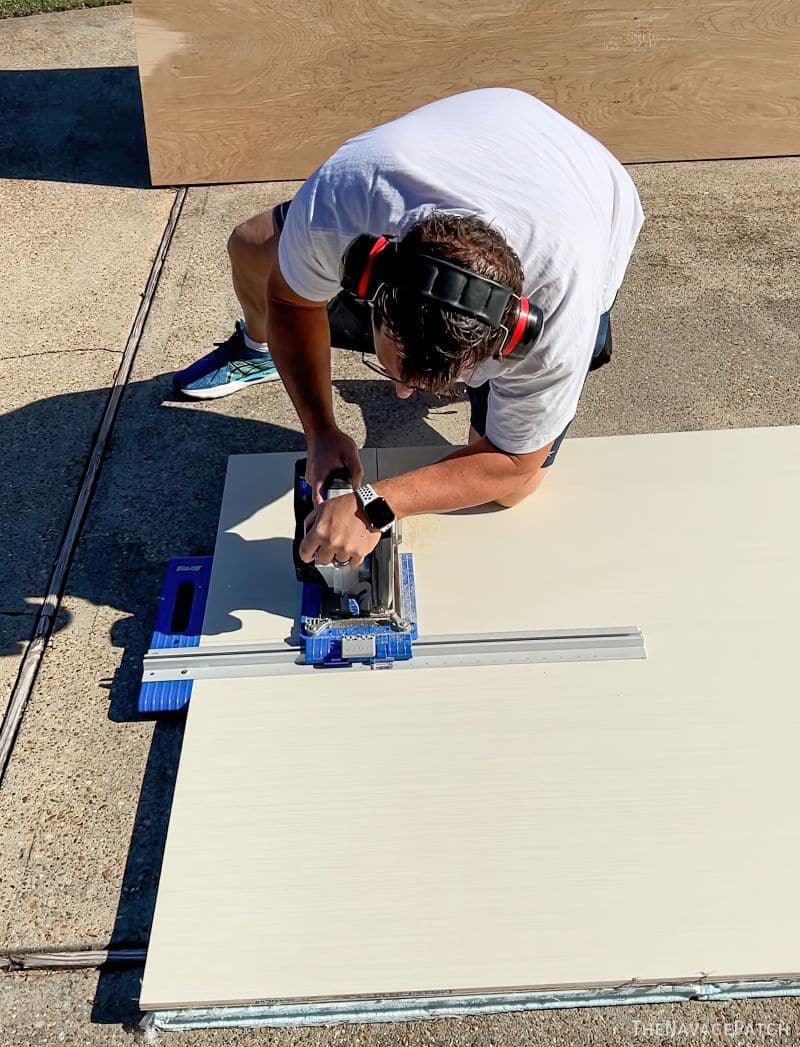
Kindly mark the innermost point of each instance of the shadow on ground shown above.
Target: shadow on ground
(158, 497)
(73, 125)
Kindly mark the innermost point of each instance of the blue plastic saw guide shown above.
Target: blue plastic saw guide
(182, 605)
(386, 644)
(179, 623)
(373, 643)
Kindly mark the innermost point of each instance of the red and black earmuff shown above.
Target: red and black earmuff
(371, 262)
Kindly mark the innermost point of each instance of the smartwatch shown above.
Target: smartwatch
(376, 509)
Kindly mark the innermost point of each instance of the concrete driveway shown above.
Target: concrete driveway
(706, 336)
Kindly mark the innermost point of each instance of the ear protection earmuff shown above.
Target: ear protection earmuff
(372, 262)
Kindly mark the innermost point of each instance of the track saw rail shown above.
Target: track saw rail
(220, 662)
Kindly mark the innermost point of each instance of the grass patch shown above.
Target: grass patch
(15, 8)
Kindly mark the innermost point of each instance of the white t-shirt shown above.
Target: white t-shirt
(561, 200)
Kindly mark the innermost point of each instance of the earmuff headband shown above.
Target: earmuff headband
(367, 265)
(454, 286)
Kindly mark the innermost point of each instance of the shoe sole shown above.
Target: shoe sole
(215, 392)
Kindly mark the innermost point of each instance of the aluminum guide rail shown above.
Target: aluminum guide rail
(221, 662)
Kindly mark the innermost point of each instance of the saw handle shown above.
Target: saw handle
(338, 480)
(303, 504)
(337, 483)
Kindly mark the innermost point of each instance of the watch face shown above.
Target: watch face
(379, 513)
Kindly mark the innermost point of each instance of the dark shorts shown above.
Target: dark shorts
(479, 396)
(279, 215)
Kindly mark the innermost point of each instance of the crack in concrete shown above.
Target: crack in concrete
(19, 614)
(28, 857)
(47, 616)
(59, 352)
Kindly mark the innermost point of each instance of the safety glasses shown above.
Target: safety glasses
(378, 368)
(455, 393)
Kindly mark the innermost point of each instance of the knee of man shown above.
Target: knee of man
(252, 237)
(238, 242)
(523, 491)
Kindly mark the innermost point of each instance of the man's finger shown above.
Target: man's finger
(355, 468)
(308, 548)
(325, 554)
(311, 519)
(316, 491)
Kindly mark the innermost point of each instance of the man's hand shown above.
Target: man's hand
(330, 449)
(337, 530)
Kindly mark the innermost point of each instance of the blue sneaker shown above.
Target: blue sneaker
(225, 370)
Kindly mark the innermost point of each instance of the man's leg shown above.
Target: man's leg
(243, 359)
(252, 249)
(521, 490)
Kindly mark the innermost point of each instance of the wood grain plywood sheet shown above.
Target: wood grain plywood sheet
(519, 826)
(253, 595)
(247, 90)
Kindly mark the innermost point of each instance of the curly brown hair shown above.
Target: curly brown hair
(437, 344)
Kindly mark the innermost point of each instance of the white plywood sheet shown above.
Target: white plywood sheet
(509, 827)
(653, 530)
(253, 596)
(476, 829)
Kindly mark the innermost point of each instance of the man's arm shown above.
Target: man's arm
(300, 343)
(473, 475)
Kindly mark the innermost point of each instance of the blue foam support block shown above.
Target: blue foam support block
(179, 623)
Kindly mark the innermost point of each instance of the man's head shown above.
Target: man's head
(429, 345)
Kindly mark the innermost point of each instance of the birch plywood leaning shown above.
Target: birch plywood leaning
(256, 90)
(349, 835)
